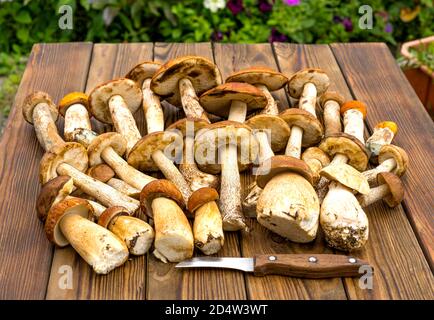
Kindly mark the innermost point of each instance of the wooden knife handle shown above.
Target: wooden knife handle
(313, 266)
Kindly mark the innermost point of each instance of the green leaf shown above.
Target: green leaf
(23, 35)
(23, 17)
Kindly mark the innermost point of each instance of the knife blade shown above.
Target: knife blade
(314, 266)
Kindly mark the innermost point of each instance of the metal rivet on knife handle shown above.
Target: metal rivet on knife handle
(352, 260)
(272, 258)
(313, 259)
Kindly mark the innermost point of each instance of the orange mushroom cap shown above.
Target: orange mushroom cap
(354, 104)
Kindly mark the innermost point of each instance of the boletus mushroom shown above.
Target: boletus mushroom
(208, 226)
(180, 81)
(163, 202)
(316, 159)
(134, 232)
(74, 108)
(384, 132)
(68, 223)
(389, 189)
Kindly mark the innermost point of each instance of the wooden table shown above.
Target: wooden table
(400, 245)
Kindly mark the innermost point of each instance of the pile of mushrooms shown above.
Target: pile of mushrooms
(100, 195)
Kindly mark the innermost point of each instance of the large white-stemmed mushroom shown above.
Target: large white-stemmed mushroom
(384, 133)
(266, 80)
(180, 81)
(331, 102)
(162, 201)
(229, 147)
(134, 232)
(208, 226)
(390, 190)
(195, 177)
(391, 158)
(124, 187)
(68, 223)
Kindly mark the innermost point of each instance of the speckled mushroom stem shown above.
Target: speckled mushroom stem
(332, 118)
(307, 100)
(123, 187)
(76, 117)
(100, 191)
(83, 136)
(353, 124)
(386, 166)
(207, 228)
(293, 148)
(271, 107)
(238, 111)
(152, 108)
(374, 195)
(190, 101)
(123, 121)
(45, 128)
(380, 138)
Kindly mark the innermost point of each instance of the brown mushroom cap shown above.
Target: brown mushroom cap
(50, 191)
(73, 98)
(100, 96)
(279, 164)
(348, 145)
(71, 153)
(346, 175)
(143, 71)
(312, 128)
(279, 129)
(109, 214)
(356, 105)
(58, 211)
(395, 186)
(218, 100)
(35, 98)
(108, 139)
(317, 154)
(273, 80)
(202, 73)
(193, 124)
(161, 188)
(200, 197)
(140, 156)
(101, 172)
(401, 158)
(220, 134)
(331, 95)
(316, 76)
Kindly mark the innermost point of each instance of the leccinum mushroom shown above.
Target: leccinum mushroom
(136, 233)
(74, 108)
(389, 189)
(331, 103)
(180, 81)
(208, 226)
(67, 223)
(384, 132)
(162, 201)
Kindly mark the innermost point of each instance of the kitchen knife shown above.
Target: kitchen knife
(313, 266)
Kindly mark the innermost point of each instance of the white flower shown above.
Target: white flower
(214, 5)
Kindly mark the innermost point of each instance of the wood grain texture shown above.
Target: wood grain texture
(376, 79)
(127, 282)
(164, 281)
(25, 253)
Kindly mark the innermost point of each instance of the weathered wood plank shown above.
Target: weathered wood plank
(127, 282)
(375, 78)
(164, 281)
(231, 58)
(25, 252)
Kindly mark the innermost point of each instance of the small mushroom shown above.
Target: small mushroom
(68, 223)
(392, 159)
(354, 112)
(288, 204)
(316, 159)
(389, 189)
(136, 233)
(101, 172)
(195, 178)
(342, 218)
(180, 81)
(266, 80)
(163, 202)
(384, 132)
(51, 193)
(331, 102)
(208, 226)
(228, 146)
(74, 108)
(124, 187)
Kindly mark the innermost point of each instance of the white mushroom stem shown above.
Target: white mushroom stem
(123, 121)
(307, 100)
(45, 128)
(190, 101)
(96, 245)
(238, 111)
(76, 117)
(386, 166)
(207, 228)
(380, 137)
(83, 136)
(332, 118)
(98, 208)
(230, 190)
(123, 187)
(293, 148)
(265, 151)
(152, 108)
(105, 194)
(353, 124)
(271, 107)
(374, 195)
(172, 173)
(323, 183)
